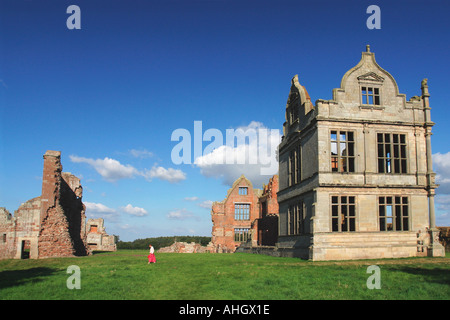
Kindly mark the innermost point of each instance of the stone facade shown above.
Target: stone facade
(356, 178)
(51, 225)
(97, 238)
(240, 218)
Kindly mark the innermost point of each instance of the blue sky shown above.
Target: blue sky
(110, 95)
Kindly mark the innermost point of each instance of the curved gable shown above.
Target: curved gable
(368, 91)
(368, 74)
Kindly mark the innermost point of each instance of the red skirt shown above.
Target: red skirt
(151, 258)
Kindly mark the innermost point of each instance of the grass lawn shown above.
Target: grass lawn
(125, 274)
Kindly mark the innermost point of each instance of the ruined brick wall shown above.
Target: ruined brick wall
(19, 233)
(74, 209)
(62, 217)
(267, 225)
(269, 195)
(7, 247)
(97, 238)
(51, 225)
(223, 215)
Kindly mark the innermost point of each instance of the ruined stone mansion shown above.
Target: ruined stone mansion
(355, 172)
(54, 223)
(356, 176)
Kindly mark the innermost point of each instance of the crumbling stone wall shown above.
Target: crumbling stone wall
(185, 247)
(19, 233)
(51, 225)
(266, 227)
(97, 238)
(7, 248)
(62, 212)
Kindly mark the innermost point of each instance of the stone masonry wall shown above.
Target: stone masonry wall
(62, 230)
(7, 245)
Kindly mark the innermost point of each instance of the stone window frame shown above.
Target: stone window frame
(295, 165)
(242, 214)
(293, 109)
(341, 208)
(374, 87)
(241, 234)
(243, 191)
(399, 220)
(350, 160)
(296, 218)
(392, 164)
(374, 81)
(293, 114)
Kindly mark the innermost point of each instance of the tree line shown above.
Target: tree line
(161, 242)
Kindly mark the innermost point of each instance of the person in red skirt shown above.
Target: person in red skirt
(151, 257)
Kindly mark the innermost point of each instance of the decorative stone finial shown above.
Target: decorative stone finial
(425, 83)
(368, 48)
(424, 87)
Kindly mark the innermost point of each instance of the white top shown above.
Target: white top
(152, 250)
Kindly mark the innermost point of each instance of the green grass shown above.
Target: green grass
(125, 274)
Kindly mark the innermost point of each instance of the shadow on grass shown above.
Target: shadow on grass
(436, 275)
(13, 278)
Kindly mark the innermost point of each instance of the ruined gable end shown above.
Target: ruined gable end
(51, 225)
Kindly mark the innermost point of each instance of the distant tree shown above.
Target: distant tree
(161, 242)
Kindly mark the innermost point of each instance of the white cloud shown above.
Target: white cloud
(441, 164)
(442, 205)
(191, 198)
(180, 214)
(142, 153)
(206, 204)
(112, 170)
(443, 220)
(134, 211)
(99, 210)
(171, 175)
(254, 156)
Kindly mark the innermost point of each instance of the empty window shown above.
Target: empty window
(294, 166)
(241, 234)
(293, 114)
(4, 237)
(391, 153)
(343, 213)
(370, 95)
(264, 208)
(342, 151)
(393, 213)
(243, 191)
(296, 218)
(242, 211)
